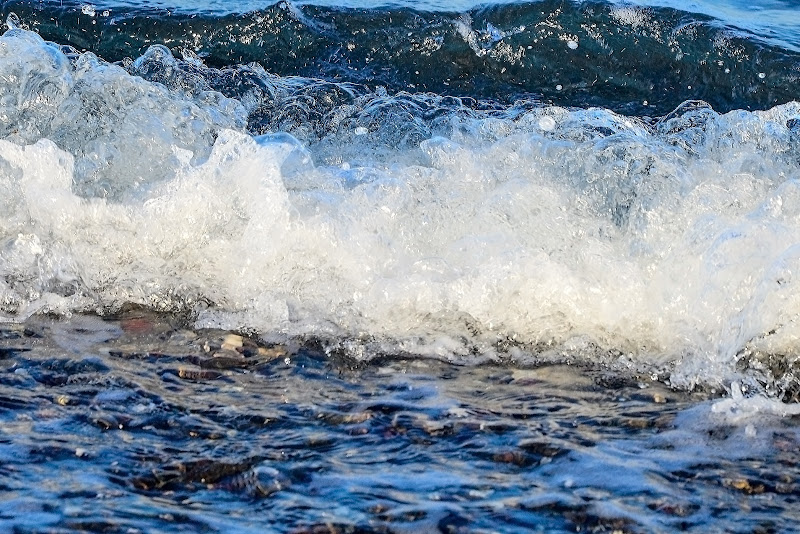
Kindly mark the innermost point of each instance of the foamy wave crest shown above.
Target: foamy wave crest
(535, 233)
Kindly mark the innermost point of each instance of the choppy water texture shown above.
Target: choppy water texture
(527, 265)
(136, 425)
(627, 58)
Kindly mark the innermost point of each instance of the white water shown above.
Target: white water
(572, 232)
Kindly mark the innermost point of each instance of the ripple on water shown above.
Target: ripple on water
(132, 428)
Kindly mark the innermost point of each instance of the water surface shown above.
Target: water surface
(390, 267)
(133, 424)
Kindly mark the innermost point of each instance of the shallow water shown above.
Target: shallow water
(135, 424)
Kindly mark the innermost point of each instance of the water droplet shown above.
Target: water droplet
(645, 103)
(12, 21)
(572, 44)
(762, 75)
(361, 131)
(88, 9)
(559, 87)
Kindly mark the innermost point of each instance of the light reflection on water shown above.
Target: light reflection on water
(139, 424)
(777, 21)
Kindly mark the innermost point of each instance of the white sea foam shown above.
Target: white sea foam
(555, 232)
(740, 410)
(634, 16)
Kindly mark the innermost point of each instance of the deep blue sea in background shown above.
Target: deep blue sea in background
(659, 52)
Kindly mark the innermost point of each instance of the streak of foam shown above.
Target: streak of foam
(463, 25)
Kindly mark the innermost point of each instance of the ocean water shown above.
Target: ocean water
(441, 264)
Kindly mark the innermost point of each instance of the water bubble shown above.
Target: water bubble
(762, 75)
(572, 44)
(361, 131)
(559, 87)
(547, 123)
(88, 9)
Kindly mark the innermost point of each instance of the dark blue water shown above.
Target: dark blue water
(642, 60)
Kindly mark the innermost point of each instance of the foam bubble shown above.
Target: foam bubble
(547, 123)
(123, 132)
